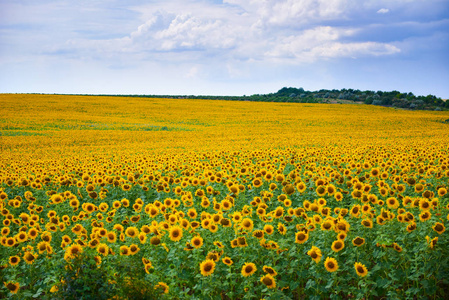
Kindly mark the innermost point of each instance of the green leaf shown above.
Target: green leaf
(310, 283)
(294, 285)
(38, 293)
(330, 283)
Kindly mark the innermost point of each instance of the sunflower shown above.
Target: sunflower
(282, 229)
(9, 242)
(338, 196)
(259, 234)
(269, 229)
(21, 237)
(320, 190)
(424, 204)
(278, 212)
(132, 232)
(5, 231)
(269, 281)
(124, 250)
(226, 205)
(439, 227)
(331, 264)
(301, 237)
(380, 220)
(269, 270)
(196, 224)
(327, 225)
(227, 261)
(411, 226)
(111, 236)
(358, 241)
(142, 237)
(196, 242)
(216, 218)
(192, 213)
(237, 217)
(126, 187)
(207, 267)
(360, 269)
(301, 187)
(29, 257)
(248, 269)
(397, 247)
(175, 233)
(368, 223)
(337, 245)
(355, 211)
(374, 172)
(341, 236)
(392, 203)
(97, 260)
(432, 242)
(315, 254)
(13, 287)
(42, 246)
(257, 182)
(206, 223)
(342, 225)
(103, 249)
(289, 189)
(14, 260)
(116, 204)
(133, 249)
(77, 229)
(162, 286)
(424, 216)
(442, 191)
(241, 241)
(72, 251)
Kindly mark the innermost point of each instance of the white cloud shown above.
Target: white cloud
(193, 72)
(355, 50)
(246, 31)
(293, 12)
(323, 42)
(207, 34)
(383, 11)
(214, 43)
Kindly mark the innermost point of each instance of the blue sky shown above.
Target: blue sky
(230, 47)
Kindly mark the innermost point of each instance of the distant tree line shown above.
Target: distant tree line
(299, 95)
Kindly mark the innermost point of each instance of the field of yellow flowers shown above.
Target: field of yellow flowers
(139, 198)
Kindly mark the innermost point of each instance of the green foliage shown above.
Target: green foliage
(299, 95)
(83, 279)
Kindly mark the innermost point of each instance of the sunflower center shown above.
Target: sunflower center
(267, 281)
(358, 241)
(207, 267)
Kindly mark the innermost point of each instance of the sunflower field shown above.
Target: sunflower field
(138, 198)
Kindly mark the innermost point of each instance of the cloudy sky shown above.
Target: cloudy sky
(229, 47)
